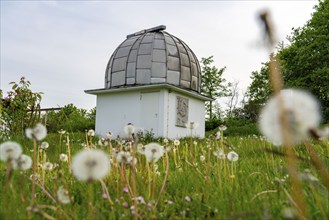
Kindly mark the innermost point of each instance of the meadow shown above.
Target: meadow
(192, 179)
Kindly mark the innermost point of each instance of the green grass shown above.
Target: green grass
(252, 194)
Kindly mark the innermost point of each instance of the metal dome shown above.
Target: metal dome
(153, 56)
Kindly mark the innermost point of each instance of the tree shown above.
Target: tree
(305, 62)
(212, 83)
(20, 108)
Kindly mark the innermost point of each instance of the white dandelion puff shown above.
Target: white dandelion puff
(61, 131)
(176, 142)
(23, 162)
(202, 158)
(109, 135)
(38, 133)
(90, 164)
(10, 151)
(63, 195)
(232, 156)
(165, 141)
(222, 128)
(220, 154)
(301, 111)
(48, 166)
(192, 125)
(124, 157)
(63, 157)
(129, 129)
(153, 152)
(44, 145)
(91, 133)
(140, 148)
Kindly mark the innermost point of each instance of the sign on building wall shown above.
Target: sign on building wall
(181, 111)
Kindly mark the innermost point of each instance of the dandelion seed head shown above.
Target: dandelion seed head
(90, 164)
(63, 157)
(232, 156)
(153, 152)
(129, 129)
(165, 141)
(91, 133)
(23, 162)
(220, 154)
(48, 166)
(63, 195)
(109, 135)
(44, 145)
(10, 151)
(176, 142)
(222, 128)
(302, 113)
(61, 131)
(39, 132)
(202, 158)
(124, 157)
(192, 125)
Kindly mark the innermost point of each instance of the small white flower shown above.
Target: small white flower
(195, 143)
(109, 135)
(10, 151)
(61, 131)
(48, 166)
(63, 195)
(301, 111)
(91, 133)
(124, 157)
(101, 142)
(129, 129)
(165, 141)
(232, 156)
(38, 133)
(90, 165)
(166, 148)
(220, 154)
(63, 157)
(44, 145)
(202, 158)
(153, 152)
(140, 148)
(218, 135)
(23, 162)
(222, 128)
(176, 142)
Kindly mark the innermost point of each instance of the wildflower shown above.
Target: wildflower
(38, 133)
(63, 157)
(140, 148)
(165, 141)
(101, 142)
(125, 189)
(222, 128)
(289, 213)
(153, 152)
(218, 135)
(220, 154)
(91, 133)
(301, 111)
(44, 145)
(140, 199)
(307, 176)
(187, 199)
(232, 156)
(63, 195)
(125, 204)
(202, 158)
(61, 131)
(90, 165)
(10, 151)
(176, 142)
(129, 129)
(169, 202)
(109, 135)
(48, 166)
(166, 148)
(23, 162)
(124, 157)
(195, 143)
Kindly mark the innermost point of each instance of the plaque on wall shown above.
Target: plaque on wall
(181, 111)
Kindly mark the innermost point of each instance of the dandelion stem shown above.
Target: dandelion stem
(34, 170)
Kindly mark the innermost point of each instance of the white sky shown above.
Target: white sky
(63, 47)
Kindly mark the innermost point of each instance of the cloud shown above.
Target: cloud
(63, 47)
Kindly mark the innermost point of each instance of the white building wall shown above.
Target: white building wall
(116, 110)
(196, 114)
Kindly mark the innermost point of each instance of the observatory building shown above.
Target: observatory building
(152, 80)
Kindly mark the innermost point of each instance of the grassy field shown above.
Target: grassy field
(198, 184)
